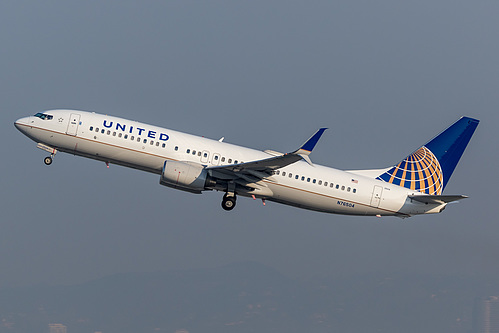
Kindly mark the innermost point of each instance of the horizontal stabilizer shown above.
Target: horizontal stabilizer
(436, 199)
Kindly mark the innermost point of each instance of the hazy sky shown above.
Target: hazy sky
(384, 76)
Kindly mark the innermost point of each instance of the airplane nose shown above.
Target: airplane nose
(19, 123)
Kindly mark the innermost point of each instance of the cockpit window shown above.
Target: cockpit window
(44, 116)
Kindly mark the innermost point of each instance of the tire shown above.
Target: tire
(47, 160)
(228, 203)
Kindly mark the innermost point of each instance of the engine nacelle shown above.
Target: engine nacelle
(190, 177)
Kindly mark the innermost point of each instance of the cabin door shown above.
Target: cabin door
(74, 122)
(376, 198)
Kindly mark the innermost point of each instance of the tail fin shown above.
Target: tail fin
(429, 168)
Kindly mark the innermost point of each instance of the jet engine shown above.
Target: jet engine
(186, 176)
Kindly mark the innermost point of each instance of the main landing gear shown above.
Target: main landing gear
(229, 201)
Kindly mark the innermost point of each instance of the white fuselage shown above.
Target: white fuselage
(146, 147)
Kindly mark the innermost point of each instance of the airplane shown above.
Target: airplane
(196, 164)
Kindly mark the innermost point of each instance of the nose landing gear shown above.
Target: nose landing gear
(229, 202)
(48, 160)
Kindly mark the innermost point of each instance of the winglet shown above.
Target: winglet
(308, 146)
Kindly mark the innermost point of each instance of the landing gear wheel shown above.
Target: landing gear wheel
(228, 203)
(47, 160)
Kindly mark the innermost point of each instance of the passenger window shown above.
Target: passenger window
(230, 160)
(216, 157)
(132, 138)
(120, 135)
(290, 175)
(138, 139)
(145, 141)
(337, 186)
(188, 151)
(297, 176)
(108, 132)
(308, 180)
(313, 181)
(193, 152)
(164, 145)
(284, 173)
(320, 182)
(103, 131)
(223, 159)
(91, 128)
(152, 142)
(157, 144)
(176, 148)
(199, 153)
(114, 133)
(235, 162)
(277, 172)
(348, 189)
(325, 183)
(354, 190)
(343, 188)
(205, 155)
(97, 129)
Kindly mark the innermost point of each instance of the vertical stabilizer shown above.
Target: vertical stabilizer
(429, 168)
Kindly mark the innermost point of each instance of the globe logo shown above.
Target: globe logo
(420, 171)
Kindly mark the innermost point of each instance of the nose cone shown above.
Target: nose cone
(21, 124)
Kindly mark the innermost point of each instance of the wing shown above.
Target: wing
(437, 199)
(250, 174)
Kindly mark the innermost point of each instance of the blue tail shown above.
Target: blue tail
(430, 167)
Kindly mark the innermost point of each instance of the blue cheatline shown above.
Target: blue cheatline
(430, 167)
